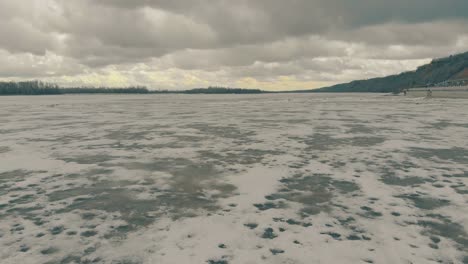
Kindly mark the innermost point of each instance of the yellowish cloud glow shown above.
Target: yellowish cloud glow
(282, 83)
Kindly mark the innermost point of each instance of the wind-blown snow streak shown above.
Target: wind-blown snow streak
(233, 179)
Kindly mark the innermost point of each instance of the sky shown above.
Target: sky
(265, 44)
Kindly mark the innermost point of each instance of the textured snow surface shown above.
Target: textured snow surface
(290, 178)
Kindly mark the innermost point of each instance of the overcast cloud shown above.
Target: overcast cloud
(268, 44)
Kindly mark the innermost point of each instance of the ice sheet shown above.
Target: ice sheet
(279, 178)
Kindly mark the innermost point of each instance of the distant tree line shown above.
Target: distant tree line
(93, 90)
(41, 88)
(28, 88)
(222, 90)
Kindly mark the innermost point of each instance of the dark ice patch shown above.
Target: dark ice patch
(71, 233)
(138, 212)
(251, 225)
(88, 216)
(424, 202)
(442, 226)
(24, 248)
(460, 188)
(28, 198)
(276, 251)
(326, 142)
(456, 154)
(369, 212)
(443, 124)
(359, 129)
(238, 156)
(354, 237)
(187, 176)
(334, 235)
(56, 230)
(219, 261)
(270, 205)
(49, 250)
(314, 192)
(291, 221)
(88, 233)
(127, 260)
(269, 233)
(228, 131)
(396, 214)
(72, 259)
(457, 175)
(88, 159)
(186, 193)
(392, 179)
(16, 175)
(126, 133)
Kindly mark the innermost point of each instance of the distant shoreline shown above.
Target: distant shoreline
(460, 92)
(39, 88)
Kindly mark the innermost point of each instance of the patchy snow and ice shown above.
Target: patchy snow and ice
(280, 178)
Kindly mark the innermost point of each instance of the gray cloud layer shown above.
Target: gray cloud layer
(86, 41)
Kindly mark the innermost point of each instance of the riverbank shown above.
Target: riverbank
(440, 92)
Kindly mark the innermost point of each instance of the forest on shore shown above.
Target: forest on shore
(452, 69)
(42, 88)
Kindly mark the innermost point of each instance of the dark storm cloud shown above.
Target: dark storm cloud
(251, 22)
(158, 27)
(307, 16)
(236, 36)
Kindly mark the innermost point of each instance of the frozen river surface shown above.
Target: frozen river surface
(221, 179)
